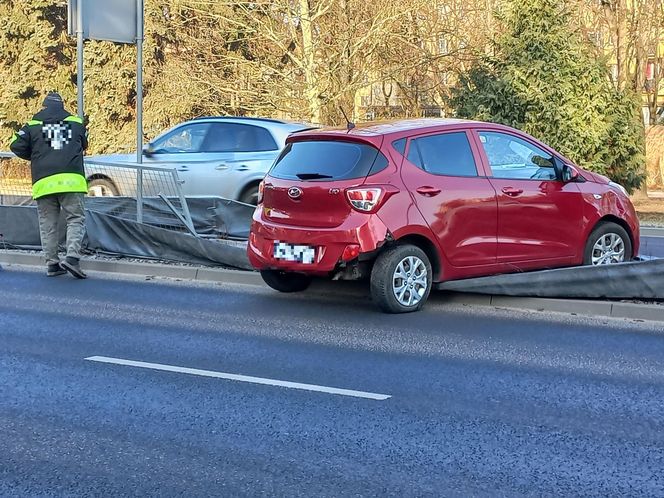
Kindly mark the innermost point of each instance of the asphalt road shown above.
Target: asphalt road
(482, 402)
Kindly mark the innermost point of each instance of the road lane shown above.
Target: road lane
(484, 402)
(239, 378)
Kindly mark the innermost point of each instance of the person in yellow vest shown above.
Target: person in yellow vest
(54, 142)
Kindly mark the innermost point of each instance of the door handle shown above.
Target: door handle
(511, 191)
(428, 191)
(183, 168)
(222, 167)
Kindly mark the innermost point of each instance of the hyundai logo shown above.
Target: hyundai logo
(294, 192)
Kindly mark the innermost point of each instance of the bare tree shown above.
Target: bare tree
(629, 33)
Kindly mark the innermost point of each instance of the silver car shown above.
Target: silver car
(214, 156)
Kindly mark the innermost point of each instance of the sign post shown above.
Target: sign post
(79, 59)
(139, 81)
(139, 109)
(120, 21)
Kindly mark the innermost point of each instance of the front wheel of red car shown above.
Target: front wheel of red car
(401, 279)
(285, 281)
(608, 243)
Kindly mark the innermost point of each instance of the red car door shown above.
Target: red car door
(458, 204)
(539, 216)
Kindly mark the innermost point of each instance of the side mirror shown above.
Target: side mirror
(570, 174)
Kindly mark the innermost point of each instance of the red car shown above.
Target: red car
(413, 203)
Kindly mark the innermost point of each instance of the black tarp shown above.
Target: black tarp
(115, 235)
(635, 280)
(211, 216)
(109, 232)
(19, 226)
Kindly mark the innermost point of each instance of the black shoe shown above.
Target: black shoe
(55, 270)
(72, 266)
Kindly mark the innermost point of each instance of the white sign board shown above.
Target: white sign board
(111, 20)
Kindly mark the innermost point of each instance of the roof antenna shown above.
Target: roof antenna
(349, 124)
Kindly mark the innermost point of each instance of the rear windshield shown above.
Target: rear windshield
(325, 160)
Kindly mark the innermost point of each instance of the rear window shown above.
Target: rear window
(326, 160)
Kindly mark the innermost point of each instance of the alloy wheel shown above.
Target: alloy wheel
(409, 282)
(609, 248)
(100, 191)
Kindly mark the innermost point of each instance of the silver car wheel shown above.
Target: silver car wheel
(609, 248)
(409, 282)
(252, 198)
(100, 191)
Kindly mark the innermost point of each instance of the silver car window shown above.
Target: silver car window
(235, 137)
(183, 139)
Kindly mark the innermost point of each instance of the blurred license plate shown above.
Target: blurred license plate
(294, 252)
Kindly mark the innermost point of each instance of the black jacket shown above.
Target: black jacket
(53, 141)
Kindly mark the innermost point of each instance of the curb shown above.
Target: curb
(613, 309)
(146, 269)
(571, 306)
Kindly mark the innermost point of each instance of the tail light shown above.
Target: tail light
(351, 251)
(261, 187)
(364, 199)
(369, 199)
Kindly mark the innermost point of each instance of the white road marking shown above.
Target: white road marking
(240, 378)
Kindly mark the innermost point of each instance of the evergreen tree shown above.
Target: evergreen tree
(35, 58)
(544, 80)
(37, 55)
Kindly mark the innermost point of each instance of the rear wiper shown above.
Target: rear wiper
(312, 176)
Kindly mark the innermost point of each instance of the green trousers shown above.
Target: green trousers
(49, 209)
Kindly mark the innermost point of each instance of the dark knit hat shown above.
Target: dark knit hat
(53, 98)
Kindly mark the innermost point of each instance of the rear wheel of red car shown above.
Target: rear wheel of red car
(608, 243)
(285, 281)
(401, 279)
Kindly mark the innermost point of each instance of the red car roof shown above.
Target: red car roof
(383, 128)
(374, 132)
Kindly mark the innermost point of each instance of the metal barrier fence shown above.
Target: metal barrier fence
(129, 191)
